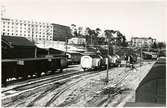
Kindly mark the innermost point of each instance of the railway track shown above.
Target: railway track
(53, 83)
(116, 88)
(24, 88)
(58, 93)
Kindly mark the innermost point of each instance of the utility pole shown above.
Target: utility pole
(140, 54)
(107, 62)
(91, 39)
(66, 46)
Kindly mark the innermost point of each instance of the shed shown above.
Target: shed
(18, 47)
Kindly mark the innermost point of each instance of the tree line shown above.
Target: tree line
(92, 36)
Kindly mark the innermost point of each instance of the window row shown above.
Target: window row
(33, 25)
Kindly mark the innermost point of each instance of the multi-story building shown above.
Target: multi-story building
(61, 32)
(34, 31)
(142, 41)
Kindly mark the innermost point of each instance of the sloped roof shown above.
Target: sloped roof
(5, 44)
(18, 41)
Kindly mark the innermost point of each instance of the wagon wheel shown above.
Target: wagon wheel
(25, 76)
(38, 74)
(61, 70)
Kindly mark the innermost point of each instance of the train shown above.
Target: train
(100, 57)
(91, 61)
(24, 59)
(74, 58)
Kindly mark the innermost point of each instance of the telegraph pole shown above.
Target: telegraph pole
(107, 62)
(66, 47)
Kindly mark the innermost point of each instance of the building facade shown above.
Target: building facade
(76, 41)
(142, 41)
(34, 31)
(61, 32)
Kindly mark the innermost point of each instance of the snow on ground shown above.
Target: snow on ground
(90, 90)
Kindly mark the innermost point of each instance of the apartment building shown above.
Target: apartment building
(32, 30)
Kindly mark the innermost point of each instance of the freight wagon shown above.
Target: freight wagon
(21, 58)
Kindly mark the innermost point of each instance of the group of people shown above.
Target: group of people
(130, 59)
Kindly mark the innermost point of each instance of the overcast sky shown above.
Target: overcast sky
(142, 18)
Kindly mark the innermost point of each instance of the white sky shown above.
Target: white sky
(142, 18)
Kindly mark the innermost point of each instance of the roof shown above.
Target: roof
(5, 44)
(143, 38)
(18, 41)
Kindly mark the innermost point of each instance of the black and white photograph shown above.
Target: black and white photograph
(83, 53)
